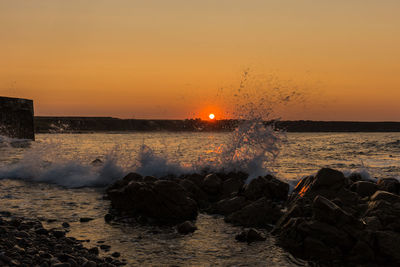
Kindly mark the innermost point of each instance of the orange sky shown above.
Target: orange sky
(168, 59)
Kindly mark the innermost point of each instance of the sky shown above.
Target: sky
(185, 59)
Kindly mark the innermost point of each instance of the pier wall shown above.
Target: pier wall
(16, 118)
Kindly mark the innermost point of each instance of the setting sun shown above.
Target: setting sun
(211, 116)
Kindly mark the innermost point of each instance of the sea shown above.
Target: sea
(56, 180)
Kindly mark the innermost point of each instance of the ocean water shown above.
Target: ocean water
(54, 179)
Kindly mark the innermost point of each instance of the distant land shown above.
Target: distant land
(110, 124)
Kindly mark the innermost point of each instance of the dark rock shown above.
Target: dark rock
(390, 185)
(231, 186)
(261, 213)
(149, 179)
(250, 236)
(186, 228)
(94, 250)
(85, 219)
(268, 187)
(105, 247)
(212, 184)
(58, 233)
(228, 206)
(195, 192)
(387, 243)
(108, 217)
(41, 231)
(386, 196)
(65, 225)
(326, 211)
(364, 189)
(163, 201)
(116, 254)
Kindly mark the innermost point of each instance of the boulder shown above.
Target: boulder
(163, 201)
(231, 186)
(195, 192)
(125, 181)
(212, 184)
(364, 188)
(327, 211)
(261, 213)
(268, 187)
(186, 227)
(386, 196)
(228, 206)
(387, 243)
(250, 236)
(389, 184)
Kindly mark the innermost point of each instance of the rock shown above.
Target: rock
(125, 181)
(163, 201)
(85, 219)
(65, 264)
(116, 254)
(386, 196)
(149, 179)
(250, 236)
(212, 184)
(195, 192)
(186, 228)
(58, 233)
(228, 206)
(41, 231)
(94, 250)
(329, 178)
(326, 211)
(105, 247)
(268, 187)
(65, 225)
(387, 242)
(364, 189)
(390, 185)
(108, 217)
(261, 213)
(231, 186)
(89, 264)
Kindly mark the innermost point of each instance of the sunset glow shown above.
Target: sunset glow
(211, 116)
(168, 59)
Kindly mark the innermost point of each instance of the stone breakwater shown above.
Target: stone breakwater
(25, 242)
(329, 219)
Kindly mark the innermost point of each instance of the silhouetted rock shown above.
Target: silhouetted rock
(250, 236)
(261, 213)
(186, 227)
(228, 206)
(212, 184)
(195, 192)
(364, 188)
(164, 201)
(268, 187)
(231, 186)
(389, 184)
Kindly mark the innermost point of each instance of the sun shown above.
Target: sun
(211, 116)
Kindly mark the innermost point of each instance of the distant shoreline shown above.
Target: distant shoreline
(109, 124)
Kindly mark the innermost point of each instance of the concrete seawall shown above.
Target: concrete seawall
(16, 118)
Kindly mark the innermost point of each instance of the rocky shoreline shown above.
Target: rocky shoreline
(25, 242)
(328, 219)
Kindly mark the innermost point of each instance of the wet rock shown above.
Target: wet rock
(261, 213)
(149, 179)
(250, 236)
(386, 196)
(164, 201)
(186, 228)
(41, 231)
(94, 250)
(326, 211)
(268, 187)
(85, 219)
(58, 233)
(212, 184)
(195, 192)
(105, 247)
(390, 185)
(116, 254)
(387, 243)
(231, 186)
(65, 225)
(364, 189)
(108, 217)
(228, 206)
(125, 181)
